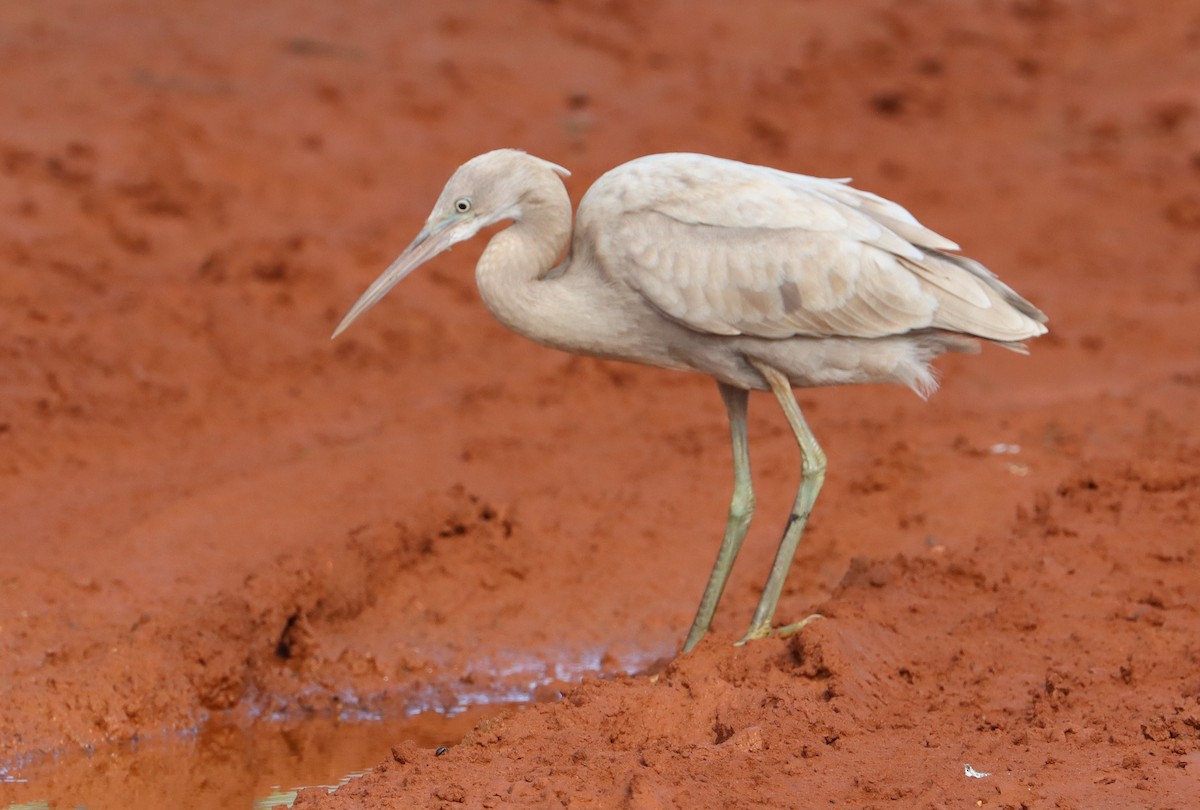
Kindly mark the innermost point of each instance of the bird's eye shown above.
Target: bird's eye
(462, 205)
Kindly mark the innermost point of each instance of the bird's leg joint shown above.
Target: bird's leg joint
(812, 460)
(742, 505)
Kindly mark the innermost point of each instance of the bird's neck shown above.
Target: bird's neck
(511, 270)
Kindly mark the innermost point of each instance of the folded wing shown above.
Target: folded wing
(729, 248)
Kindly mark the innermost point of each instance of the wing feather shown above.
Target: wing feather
(728, 248)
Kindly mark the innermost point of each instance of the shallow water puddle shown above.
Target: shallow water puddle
(225, 766)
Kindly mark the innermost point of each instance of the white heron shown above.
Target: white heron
(759, 278)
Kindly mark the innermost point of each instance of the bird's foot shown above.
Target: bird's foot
(752, 634)
(763, 631)
(796, 627)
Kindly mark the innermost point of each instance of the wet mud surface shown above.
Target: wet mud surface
(209, 511)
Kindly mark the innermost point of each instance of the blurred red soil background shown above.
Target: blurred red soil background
(208, 510)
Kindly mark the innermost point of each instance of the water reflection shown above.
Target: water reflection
(227, 766)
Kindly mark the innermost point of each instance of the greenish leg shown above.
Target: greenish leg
(741, 509)
(812, 475)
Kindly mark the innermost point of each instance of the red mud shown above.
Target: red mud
(209, 509)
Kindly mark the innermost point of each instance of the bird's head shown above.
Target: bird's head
(487, 189)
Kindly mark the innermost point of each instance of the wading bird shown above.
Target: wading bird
(761, 279)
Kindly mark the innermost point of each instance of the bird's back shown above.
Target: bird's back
(728, 248)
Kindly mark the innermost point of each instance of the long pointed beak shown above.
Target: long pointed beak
(431, 241)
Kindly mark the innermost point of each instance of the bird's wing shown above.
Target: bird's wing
(728, 248)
